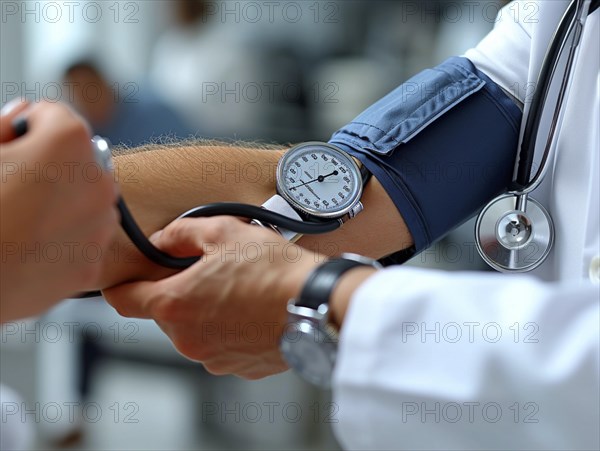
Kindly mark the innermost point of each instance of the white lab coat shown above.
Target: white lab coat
(432, 360)
(15, 434)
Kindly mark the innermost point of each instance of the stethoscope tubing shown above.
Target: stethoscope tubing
(514, 233)
(572, 21)
(250, 212)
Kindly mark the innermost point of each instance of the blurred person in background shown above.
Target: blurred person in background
(237, 78)
(129, 115)
(199, 56)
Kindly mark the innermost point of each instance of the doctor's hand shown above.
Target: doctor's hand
(58, 209)
(228, 310)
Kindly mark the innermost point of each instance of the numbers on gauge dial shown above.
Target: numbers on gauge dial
(320, 180)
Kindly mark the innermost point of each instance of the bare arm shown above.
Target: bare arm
(160, 183)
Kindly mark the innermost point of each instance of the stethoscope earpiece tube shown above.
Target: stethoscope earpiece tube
(150, 251)
(534, 117)
(103, 155)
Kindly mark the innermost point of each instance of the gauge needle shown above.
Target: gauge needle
(319, 179)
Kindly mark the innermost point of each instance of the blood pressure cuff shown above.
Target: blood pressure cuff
(442, 145)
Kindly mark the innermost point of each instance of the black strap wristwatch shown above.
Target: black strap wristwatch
(309, 342)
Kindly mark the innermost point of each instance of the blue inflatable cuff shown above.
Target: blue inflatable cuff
(442, 144)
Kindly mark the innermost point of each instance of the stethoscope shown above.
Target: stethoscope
(514, 233)
(259, 215)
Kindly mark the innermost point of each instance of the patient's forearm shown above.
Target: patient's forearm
(160, 184)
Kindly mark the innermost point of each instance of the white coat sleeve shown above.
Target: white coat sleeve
(434, 360)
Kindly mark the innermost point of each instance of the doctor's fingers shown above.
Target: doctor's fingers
(189, 237)
(58, 146)
(8, 115)
(221, 348)
(172, 300)
(56, 133)
(252, 368)
(134, 299)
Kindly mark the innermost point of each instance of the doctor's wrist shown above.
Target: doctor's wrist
(343, 292)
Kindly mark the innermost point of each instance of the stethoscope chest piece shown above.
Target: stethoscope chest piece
(514, 240)
(513, 232)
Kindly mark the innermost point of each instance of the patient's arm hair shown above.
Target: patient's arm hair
(159, 182)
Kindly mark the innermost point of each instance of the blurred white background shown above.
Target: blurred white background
(85, 378)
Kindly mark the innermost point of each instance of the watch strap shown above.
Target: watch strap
(279, 205)
(364, 172)
(321, 282)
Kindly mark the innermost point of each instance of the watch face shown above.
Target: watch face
(319, 179)
(310, 352)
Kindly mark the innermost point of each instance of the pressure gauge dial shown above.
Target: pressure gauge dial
(319, 179)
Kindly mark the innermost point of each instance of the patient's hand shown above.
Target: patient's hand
(229, 309)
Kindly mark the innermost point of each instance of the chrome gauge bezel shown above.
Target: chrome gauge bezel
(343, 156)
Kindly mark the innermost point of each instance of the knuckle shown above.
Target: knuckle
(222, 228)
(212, 231)
(164, 308)
(122, 309)
(229, 225)
(251, 376)
(118, 302)
(175, 230)
(70, 140)
(73, 127)
(78, 130)
(191, 349)
(215, 369)
(44, 107)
